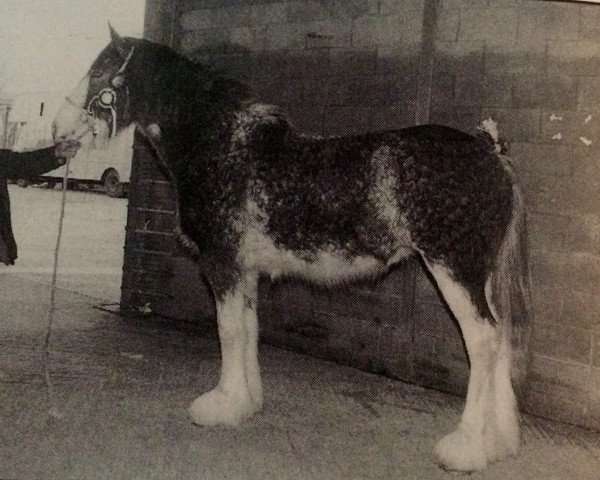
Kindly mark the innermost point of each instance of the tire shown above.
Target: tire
(112, 184)
(23, 183)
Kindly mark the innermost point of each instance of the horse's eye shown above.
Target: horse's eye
(96, 73)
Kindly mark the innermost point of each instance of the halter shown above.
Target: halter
(106, 98)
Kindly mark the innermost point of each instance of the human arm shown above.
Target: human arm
(36, 162)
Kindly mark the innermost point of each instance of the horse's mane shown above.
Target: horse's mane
(177, 87)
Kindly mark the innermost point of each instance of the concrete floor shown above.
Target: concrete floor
(122, 387)
(91, 255)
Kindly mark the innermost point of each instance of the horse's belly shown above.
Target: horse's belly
(326, 266)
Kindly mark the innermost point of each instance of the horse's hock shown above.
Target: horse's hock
(349, 67)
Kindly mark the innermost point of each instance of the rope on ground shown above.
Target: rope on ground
(54, 411)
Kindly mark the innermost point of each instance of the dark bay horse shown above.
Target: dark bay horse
(257, 197)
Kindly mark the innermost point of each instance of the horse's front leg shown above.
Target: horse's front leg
(238, 394)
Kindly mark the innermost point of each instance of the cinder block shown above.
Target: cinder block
(279, 37)
(153, 241)
(150, 220)
(294, 295)
(542, 159)
(434, 319)
(347, 120)
(461, 58)
(483, 90)
(386, 30)
(347, 62)
(494, 25)
(380, 90)
(590, 22)
(391, 7)
(350, 9)
(584, 234)
(548, 232)
(398, 58)
(533, 91)
(548, 304)
(547, 267)
(344, 338)
(243, 38)
(447, 27)
(557, 408)
(467, 4)
(211, 39)
(389, 117)
(580, 57)
(596, 363)
(271, 12)
(326, 34)
(517, 58)
(196, 19)
(582, 309)
(547, 195)
(307, 10)
(425, 289)
(563, 342)
(541, 21)
(400, 282)
(231, 15)
(516, 124)
(306, 63)
(582, 272)
(457, 117)
(442, 91)
(589, 94)
(560, 379)
(358, 304)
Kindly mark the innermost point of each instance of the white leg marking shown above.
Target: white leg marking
(489, 428)
(230, 401)
(251, 347)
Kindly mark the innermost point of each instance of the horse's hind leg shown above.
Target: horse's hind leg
(489, 428)
(232, 399)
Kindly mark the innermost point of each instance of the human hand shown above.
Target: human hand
(66, 149)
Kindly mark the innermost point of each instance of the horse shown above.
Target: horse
(257, 197)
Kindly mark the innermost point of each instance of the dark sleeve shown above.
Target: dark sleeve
(27, 164)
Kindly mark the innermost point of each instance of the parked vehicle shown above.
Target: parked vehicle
(100, 161)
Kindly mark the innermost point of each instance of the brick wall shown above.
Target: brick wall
(356, 65)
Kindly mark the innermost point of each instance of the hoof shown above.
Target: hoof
(461, 451)
(221, 408)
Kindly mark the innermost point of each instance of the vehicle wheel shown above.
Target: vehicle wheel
(112, 184)
(23, 183)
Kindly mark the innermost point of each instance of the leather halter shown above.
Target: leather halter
(106, 99)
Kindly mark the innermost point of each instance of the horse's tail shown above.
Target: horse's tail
(508, 288)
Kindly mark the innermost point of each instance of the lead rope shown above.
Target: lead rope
(54, 411)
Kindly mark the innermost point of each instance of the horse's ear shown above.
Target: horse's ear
(118, 41)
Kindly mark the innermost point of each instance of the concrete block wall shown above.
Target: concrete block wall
(336, 67)
(535, 67)
(342, 67)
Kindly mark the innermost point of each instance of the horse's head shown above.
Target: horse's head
(102, 97)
